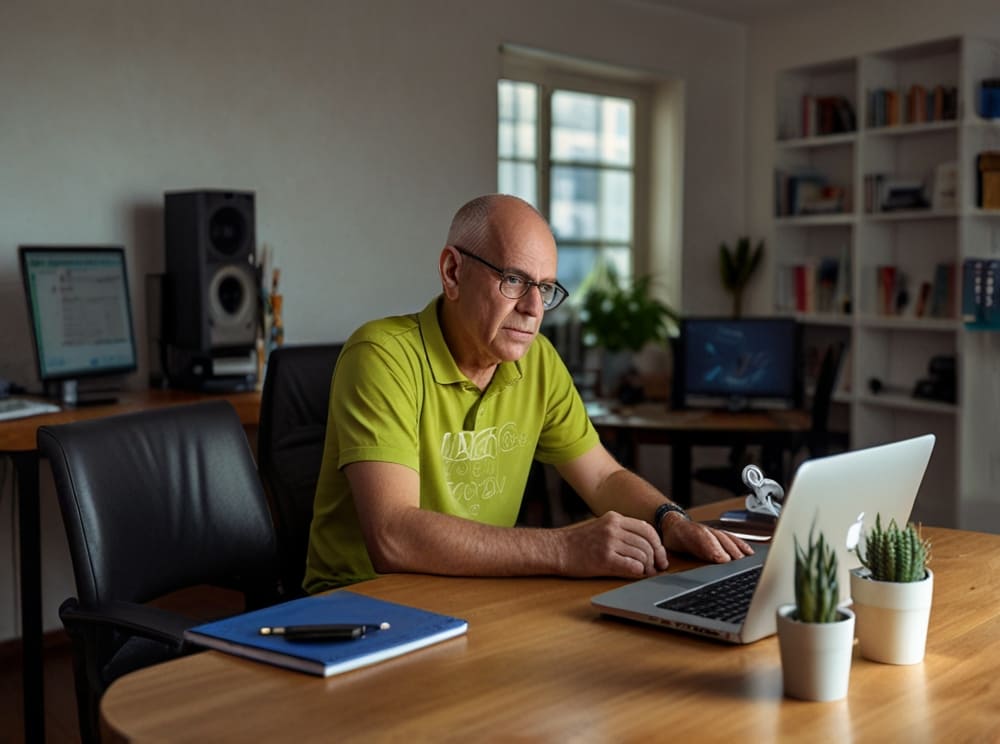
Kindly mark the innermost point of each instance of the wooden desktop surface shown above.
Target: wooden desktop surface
(657, 417)
(18, 435)
(540, 664)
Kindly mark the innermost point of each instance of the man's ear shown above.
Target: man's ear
(448, 265)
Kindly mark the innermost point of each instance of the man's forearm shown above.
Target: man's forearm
(422, 541)
(627, 493)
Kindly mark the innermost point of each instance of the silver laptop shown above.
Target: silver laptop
(841, 494)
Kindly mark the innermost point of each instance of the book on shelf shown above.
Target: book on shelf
(409, 629)
(981, 293)
(807, 192)
(874, 184)
(988, 179)
(916, 104)
(805, 283)
(942, 299)
(923, 299)
(989, 98)
(813, 285)
(893, 294)
(889, 107)
(886, 278)
(824, 115)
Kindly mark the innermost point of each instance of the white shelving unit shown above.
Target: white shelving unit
(962, 485)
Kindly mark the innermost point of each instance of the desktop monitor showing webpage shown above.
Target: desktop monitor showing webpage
(80, 311)
(739, 363)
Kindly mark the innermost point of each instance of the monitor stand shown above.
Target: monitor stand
(69, 395)
(737, 403)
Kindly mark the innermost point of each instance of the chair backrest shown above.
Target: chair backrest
(293, 413)
(162, 500)
(825, 382)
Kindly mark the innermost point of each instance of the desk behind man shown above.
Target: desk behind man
(654, 423)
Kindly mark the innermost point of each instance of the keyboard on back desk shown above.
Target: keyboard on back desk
(727, 600)
(14, 408)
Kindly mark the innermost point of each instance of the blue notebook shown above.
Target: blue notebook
(409, 629)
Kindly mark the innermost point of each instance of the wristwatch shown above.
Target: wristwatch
(662, 511)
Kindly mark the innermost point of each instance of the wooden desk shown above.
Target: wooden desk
(653, 423)
(540, 664)
(17, 439)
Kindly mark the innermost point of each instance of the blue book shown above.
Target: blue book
(409, 629)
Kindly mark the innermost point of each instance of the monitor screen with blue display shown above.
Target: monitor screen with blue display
(739, 363)
(80, 310)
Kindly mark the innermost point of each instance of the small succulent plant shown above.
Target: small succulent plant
(894, 553)
(817, 589)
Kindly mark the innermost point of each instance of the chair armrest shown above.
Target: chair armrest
(134, 619)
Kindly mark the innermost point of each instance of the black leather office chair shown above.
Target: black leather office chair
(820, 440)
(817, 442)
(153, 502)
(293, 413)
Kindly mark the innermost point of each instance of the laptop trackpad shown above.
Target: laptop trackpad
(677, 581)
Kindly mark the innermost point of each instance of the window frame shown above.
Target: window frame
(589, 78)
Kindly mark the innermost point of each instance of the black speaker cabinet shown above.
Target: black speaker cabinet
(210, 288)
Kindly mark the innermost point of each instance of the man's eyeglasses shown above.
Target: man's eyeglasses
(514, 286)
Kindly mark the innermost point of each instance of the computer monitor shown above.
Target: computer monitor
(738, 363)
(80, 313)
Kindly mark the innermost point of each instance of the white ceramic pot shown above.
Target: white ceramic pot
(815, 657)
(892, 617)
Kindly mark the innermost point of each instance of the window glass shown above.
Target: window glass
(519, 179)
(517, 130)
(589, 128)
(580, 175)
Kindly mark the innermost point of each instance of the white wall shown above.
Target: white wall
(360, 125)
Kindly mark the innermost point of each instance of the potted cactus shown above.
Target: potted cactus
(892, 594)
(815, 636)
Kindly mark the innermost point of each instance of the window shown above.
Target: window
(572, 154)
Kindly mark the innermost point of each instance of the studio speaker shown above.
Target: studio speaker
(210, 287)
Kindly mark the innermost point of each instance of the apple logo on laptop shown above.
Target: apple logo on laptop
(854, 532)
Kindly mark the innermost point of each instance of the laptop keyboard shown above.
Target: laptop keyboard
(12, 408)
(726, 600)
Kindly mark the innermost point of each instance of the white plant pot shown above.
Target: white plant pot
(892, 617)
(815, 657)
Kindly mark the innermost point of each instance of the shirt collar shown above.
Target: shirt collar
(442, 363)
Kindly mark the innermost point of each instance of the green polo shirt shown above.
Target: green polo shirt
(398, 396)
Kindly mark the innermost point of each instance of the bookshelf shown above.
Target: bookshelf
(893, 204)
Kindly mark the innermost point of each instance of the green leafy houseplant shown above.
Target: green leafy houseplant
(736, 267)
(619, 316)
(894, 553)
(816, 585)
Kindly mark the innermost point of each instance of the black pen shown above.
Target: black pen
(331, 632)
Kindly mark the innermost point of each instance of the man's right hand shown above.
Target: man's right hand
(612, 545)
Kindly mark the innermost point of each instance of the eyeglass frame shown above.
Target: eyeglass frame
(527, 283)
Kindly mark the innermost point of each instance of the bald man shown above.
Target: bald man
(435, 419)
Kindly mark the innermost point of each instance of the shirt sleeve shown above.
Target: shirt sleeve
(375, 403)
